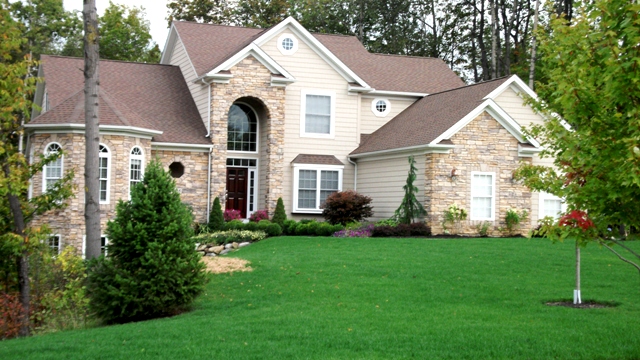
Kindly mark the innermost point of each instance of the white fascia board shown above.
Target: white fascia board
(314, 44)
(317, 166)
(516, 84)
(527, 151)
(259, 54)
(497, 113)
(398, 93)
(180, 147)
(104, 129)
(168, 51)
(280, 82)
(399, 152)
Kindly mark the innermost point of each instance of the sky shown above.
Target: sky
(156, 11)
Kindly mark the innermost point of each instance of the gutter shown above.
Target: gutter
(355, 173)
(209, 186)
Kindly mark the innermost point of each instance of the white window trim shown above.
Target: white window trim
(108, 156)
(135, 157)
(59, 241)
(332, 114)
(284, 51)
(374, 109)
(44, 169)
(84, 244)
(493, 196)
(542, 196)
(238, 152)
(318, 169)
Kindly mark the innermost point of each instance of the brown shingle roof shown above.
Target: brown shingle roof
(210, 45)
(392, 72)
(428, 118)
(316, 159)
(149, 96)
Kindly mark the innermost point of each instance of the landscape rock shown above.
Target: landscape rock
(225, 251)
(243, 244)
(234, 245)
(202, 247)
(228, 246)
(216, 249)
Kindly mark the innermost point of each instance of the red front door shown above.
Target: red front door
(237, 190)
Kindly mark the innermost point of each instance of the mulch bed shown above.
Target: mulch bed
(584, 305)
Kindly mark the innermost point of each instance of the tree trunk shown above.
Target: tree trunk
(484, 62)
(576, 293)
(92, 135)
(532, 66)
(23, 263)
(494, 68)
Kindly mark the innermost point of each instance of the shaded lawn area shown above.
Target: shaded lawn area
(337, 298)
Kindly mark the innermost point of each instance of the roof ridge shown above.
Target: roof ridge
(407, 56)
(216, 25)
(107, 60)
(471, 85)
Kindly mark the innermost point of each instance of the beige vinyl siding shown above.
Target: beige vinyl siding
(199, 92)
(516, 107)
(313, 73)
(383, 180)
(369, 122)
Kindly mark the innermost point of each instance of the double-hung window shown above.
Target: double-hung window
(54, 243)
(313, 184)
(136, 164)
(483, 191)
(318, 112)
(53, 170)
(550, 205)
(104, 159)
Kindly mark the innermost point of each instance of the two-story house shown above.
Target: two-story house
(251, 115)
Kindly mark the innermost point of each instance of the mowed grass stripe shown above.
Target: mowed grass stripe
(336, 298)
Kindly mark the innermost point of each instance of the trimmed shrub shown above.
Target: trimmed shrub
(279, 216)
(259, 215)
(231, 214)
(307, 228)
(151, 269)
(402, 230)
(274, 230)
(234, 225)
(216, 218)
(419, 229)
(251, 226)
(289, 227)
(324, 229)
(263, 225)
(344, 207)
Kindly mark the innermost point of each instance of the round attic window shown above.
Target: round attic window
(176, 169)
(287, 44)
(380, 107)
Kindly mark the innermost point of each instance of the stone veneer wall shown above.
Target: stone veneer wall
(250, 79)
(192, 185)
(69, 222)
(482, 145)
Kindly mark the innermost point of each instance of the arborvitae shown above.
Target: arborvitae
(279, 216)
(410, 208)
(151, 268)
(216, 217)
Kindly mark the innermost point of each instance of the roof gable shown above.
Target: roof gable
(435, 118)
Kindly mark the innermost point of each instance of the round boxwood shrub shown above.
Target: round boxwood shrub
(289, 227)
(234, 225)
(151, 269)
(251, 226)
(274, 230)
(324, 229)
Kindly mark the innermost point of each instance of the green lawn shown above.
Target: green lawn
(336, 298)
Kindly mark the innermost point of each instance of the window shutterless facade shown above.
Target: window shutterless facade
(104, 172)
(483, 196)
(550, 205)
(136, 167)
(313, 184)
(317, 114)
(52, 172)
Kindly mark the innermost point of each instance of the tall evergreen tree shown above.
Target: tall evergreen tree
(151, 268)
(410, 209)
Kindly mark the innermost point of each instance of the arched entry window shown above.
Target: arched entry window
(242, 129)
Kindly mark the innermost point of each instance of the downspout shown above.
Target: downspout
(208, 110)
(355, 173)
(209, 184)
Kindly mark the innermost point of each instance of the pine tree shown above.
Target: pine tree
(216, 217)
(279, 216)
(151, 268)
(410, 208)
